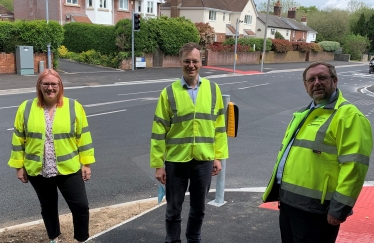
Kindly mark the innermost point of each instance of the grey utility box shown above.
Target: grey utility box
(25, 60)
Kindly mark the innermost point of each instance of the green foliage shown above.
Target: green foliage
(356, 45)
(279, 36)
(227, 48)
(96, 58)
(8, 4)
(329, 45)
(80, 37)
(356, 15)
(306, 10)
(316, 47)
(36, 33)
(319, 38)
(370, 30)
(360, 28)
(281, 46)
(257, 42)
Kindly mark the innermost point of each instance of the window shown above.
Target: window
(272, 31)
(123, 4)
(72, 1)
(149, 7)
(90, 3)
(287, 33)
(139, 6)
(229, 17)
(212, 15)
(224, 15)
(248, 19)
(102, 3)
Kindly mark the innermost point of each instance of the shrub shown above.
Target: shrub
(227, 48)
(356, 45)
(281, 45)
(257, 42)
(316, 47)
(329, 45)
(207, 34)
(62, 51)
(278, 35)
(301, 46)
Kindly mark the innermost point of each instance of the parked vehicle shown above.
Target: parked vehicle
(371, 66)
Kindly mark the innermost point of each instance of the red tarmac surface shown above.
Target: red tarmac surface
(360, 226)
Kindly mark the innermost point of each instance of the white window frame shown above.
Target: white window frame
(72, 2)
(122, 4)
(248, 19)
(150, 7)
(224, 17)
(212, 15)
(103, 4)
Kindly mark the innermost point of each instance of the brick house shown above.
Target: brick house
(106, 12)
(221, 15)
(5, 14)
(289, 28)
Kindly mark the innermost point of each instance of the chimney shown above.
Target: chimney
(303, 20)
(174, 10)
(277, 9)
(291, 13)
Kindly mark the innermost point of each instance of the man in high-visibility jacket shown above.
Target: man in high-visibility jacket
(188, 141)
(323, 162)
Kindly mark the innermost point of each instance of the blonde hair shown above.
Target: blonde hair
(39, 93)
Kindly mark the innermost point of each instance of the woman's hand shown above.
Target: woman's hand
(22, 175)
(86, 172)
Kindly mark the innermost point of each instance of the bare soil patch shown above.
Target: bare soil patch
(100, 220)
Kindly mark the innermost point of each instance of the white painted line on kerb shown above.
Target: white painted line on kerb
(10, 129)
(106, 113)
(145, 92)
(253, 86)
(8, 107)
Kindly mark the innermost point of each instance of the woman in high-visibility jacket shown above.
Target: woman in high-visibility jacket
(52, 148)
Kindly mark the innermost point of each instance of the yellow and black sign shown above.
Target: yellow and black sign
(232, 119)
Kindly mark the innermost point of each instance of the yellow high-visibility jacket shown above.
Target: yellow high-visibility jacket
(183, 131)
(72, 138)
(328, 161)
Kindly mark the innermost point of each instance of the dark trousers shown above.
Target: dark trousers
(73, 190)
(199, 173)
(299, 226)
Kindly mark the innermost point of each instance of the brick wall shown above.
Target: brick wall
(227, 58)
(8, 62)
(321, 56)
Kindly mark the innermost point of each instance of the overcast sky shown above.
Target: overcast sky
(323, 3)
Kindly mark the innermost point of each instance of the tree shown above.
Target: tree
(286, 5)
(370, 31)
(360, 28)
(279, 36)
(8, 4)
(306, 10)
(355, 45)
(207, 34)
(356, 5)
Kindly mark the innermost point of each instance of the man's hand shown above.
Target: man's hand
(22, 175)
(333, 221)
(86, 172)
(161, 175)
(217, 167)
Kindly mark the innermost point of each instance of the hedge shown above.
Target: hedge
(258, 42)
(329, 46)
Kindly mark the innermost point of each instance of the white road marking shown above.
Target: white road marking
(106, 113)
(145, 92)
(8, 107)
(253, 86)
(114, 102)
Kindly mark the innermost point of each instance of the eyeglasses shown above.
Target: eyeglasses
(188, 62)
(53, 85)
(321, 79)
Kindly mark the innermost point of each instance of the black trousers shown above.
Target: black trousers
(199, 174)
(299, 226)
(73, 190)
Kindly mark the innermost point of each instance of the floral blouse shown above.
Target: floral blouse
(49, 160)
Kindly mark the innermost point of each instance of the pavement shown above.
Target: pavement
(243, 218)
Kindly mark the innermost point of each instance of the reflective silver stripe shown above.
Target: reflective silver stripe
(72, 117)
(26, 115)
(85, 147)
(344, 103)
(331, 149)
(179, 140)
(204, 140)
(67, 157)
(358, 158)
(179, 119)
(18, 133)
(305, 191)
(34, 135)
(213, 90)
(63, 136)
(158, 136)
(85, 129)
(173, 105)
(220, 129)
(18, 147)
(164, 122)
(344, 199)
(32, 157)
(204, 116)
(220, 112)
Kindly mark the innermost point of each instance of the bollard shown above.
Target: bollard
(41, 66)
(220, 183)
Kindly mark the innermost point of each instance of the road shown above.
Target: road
(120, 115)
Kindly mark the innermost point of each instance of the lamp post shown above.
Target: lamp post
(236, 42)
(265, 36)
(49, 44)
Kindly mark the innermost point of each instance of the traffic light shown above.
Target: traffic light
(136, 19)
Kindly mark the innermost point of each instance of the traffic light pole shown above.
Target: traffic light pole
(132, 42)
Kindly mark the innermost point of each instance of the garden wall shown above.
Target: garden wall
(8, 62)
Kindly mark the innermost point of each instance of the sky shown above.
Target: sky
(323, 3)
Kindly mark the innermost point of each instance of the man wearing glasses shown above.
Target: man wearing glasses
(188, 141)
(323, 161)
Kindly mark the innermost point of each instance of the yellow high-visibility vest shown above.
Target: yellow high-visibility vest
(72, 138)
(328, 160)
(183, 131)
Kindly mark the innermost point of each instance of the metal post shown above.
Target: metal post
(220, 184)
(49, 44)
(266, 31)
(236, 43)
(132, 42)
